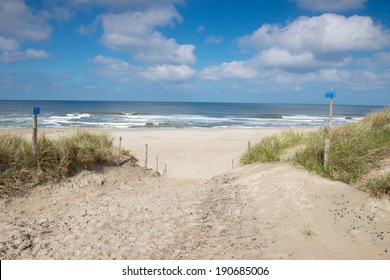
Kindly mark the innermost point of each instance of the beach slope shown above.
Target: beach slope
(259, 211)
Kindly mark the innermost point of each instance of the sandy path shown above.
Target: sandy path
(122, 213)
(192, 153)
(276, 211)
(261, 211)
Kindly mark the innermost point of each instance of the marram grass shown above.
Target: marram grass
(55, 159)
(355, 150)
(270, 148)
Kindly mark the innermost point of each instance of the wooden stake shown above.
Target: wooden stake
(330, 112)
(119, 149)
(34, 137)
(233, 164)
(165, 173)
(146, 156)
(249, 145)
(157, 164)
(326, 152)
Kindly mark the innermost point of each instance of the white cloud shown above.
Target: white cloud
(28, 54)
(19, 23)
(88, 29)
(310, 43)
(135, 5)
(229, 70)
(296, 62)
(169, 72)
(113, 66)
(330, 5)
(200, 29)
(382, 58)
(57, 12)
(379, 59)
(125, 71)
(356, 80)
(214, 40)
(135, 32)
(313, 50)
(322, 34)
(7, 44)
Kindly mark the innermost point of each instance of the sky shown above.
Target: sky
(280, 51)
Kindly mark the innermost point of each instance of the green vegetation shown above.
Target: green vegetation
(55, 159)
(270, 148)
(355, 150)
(378, 186)
(309, 232)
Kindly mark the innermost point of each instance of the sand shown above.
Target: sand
(203, 209)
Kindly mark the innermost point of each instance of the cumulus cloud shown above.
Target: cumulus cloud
(297, 62)
(7, 44)
(28, 54)
(315, 42)
(19, 23)
(112, 66)
(330, 5)
(121, 69)
(135, 5)
(322, 34)
(88, 29)
(356, 80)
(229, 70)
(318, 49)
(169, 72)
(378, 59)
(135, 32)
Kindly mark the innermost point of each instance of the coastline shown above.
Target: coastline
(190, 153)
(93, 114)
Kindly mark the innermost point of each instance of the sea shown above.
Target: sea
(136, 115)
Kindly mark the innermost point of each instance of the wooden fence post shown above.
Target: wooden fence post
(146, 156)
(34, 137)
(165, 173)
(35, 112)
(119, 148)
(330, 111)
(326, 152)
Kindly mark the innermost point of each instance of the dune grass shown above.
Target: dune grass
(378, 186)
(270, 148)
(355, 150)
(55, 158)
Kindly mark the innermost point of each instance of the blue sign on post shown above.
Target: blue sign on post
(330, 94)
(36, 110)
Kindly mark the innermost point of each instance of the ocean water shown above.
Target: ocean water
(57, 114)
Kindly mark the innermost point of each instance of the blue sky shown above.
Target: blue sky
(280, 51)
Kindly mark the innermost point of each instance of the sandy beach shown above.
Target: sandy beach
(203, 209)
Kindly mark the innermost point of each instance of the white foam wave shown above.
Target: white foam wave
(79, 116)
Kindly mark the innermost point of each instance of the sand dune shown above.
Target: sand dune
(203, 209)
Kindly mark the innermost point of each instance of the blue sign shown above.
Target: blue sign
(330, 94)
(36, 110)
